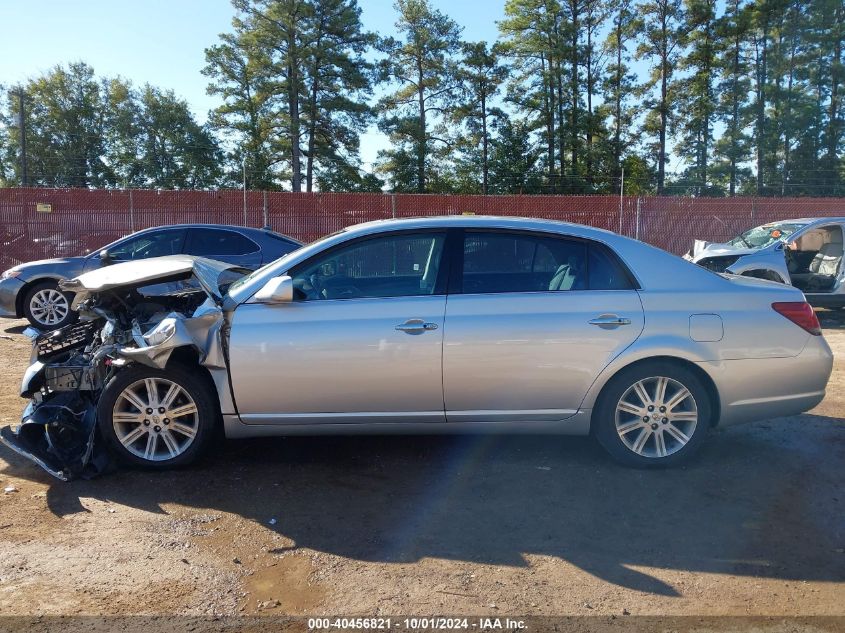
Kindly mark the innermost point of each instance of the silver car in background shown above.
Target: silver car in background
(806, 253)
(435, 325)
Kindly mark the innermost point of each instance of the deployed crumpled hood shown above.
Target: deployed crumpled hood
(151, 271)
(703, 249)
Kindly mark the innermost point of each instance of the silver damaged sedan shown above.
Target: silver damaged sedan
(436, 325)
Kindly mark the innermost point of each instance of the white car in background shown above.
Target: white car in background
(806, 253)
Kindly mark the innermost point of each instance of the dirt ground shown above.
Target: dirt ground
(455, 525)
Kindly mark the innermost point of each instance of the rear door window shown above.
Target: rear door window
(209, 242)
(501, 261)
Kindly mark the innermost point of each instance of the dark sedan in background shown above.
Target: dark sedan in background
(31, 290)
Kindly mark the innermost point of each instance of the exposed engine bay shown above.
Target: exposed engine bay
(136, 312)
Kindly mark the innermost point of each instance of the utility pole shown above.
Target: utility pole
(22, 132)
(621, 198)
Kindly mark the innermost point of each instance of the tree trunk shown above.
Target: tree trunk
(484, 160)
(734, 147)
(312, 128)
(589, 126)
(574, 117)
(617, 98)
(421, 140)
(548, 98)
(664, 71)
(561, 131)
(833, 124)
(761, 45)
(787, 118)
(293, 100)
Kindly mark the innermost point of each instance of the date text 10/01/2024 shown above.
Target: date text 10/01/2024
(416, 624)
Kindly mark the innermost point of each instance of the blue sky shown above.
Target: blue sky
(162, 41)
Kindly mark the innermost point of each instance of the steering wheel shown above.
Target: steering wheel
(345, 291)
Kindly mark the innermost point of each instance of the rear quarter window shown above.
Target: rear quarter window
(606, 272)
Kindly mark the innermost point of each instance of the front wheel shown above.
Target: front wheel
(157, 418)
(653, 414)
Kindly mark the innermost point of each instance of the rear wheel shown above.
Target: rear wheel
(653, 414)
(157, 418)
(46, 307)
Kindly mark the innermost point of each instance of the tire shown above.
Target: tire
(158, 440)
(669, 437)
(46, 308)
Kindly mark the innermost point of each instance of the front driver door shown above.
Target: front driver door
(361, 342)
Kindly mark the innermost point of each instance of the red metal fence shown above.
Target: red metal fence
(79, 220)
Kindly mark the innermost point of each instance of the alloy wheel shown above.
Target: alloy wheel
(656, 417)
(155, 419)
(49, 306)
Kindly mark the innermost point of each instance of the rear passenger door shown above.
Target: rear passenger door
(225, 246)
(531, 321)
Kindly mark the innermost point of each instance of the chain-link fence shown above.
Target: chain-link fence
(42, 223)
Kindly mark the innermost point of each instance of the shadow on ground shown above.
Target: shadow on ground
(761, 500)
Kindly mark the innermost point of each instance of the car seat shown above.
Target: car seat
(824, 267)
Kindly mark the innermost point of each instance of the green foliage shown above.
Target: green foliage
(688, 97)
(422, 67)
(294, 79)
(661, 44)
(480, 76)
(514, 160)
(81, 132)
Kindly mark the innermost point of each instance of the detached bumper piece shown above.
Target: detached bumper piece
(58, 434)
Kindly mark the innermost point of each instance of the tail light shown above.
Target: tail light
(801, 314)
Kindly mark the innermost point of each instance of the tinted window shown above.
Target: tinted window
(515, 262)
(149, 245)
(207, 242)
(389, 266)
(606, 273)
(524, 262)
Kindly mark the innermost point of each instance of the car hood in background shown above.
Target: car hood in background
(60, 264)
(154, 270)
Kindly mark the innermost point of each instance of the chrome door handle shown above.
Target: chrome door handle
(416, 326)
(609, 321)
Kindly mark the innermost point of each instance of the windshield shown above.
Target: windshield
(762, 236)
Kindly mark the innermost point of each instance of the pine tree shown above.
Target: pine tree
(514, 160)
(240, 71)
(619, 84)
(422, 63)
(533, 39)
(695, 95)
(480, 74)
(732, 150)
(338, 79)
(661, 43)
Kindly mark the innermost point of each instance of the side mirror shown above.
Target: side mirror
(277, 290)
(105, 258)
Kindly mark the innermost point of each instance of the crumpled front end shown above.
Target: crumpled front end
(121, 324)
(58, 435)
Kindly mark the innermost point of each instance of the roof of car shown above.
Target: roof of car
(483, 221)
(231, 227)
